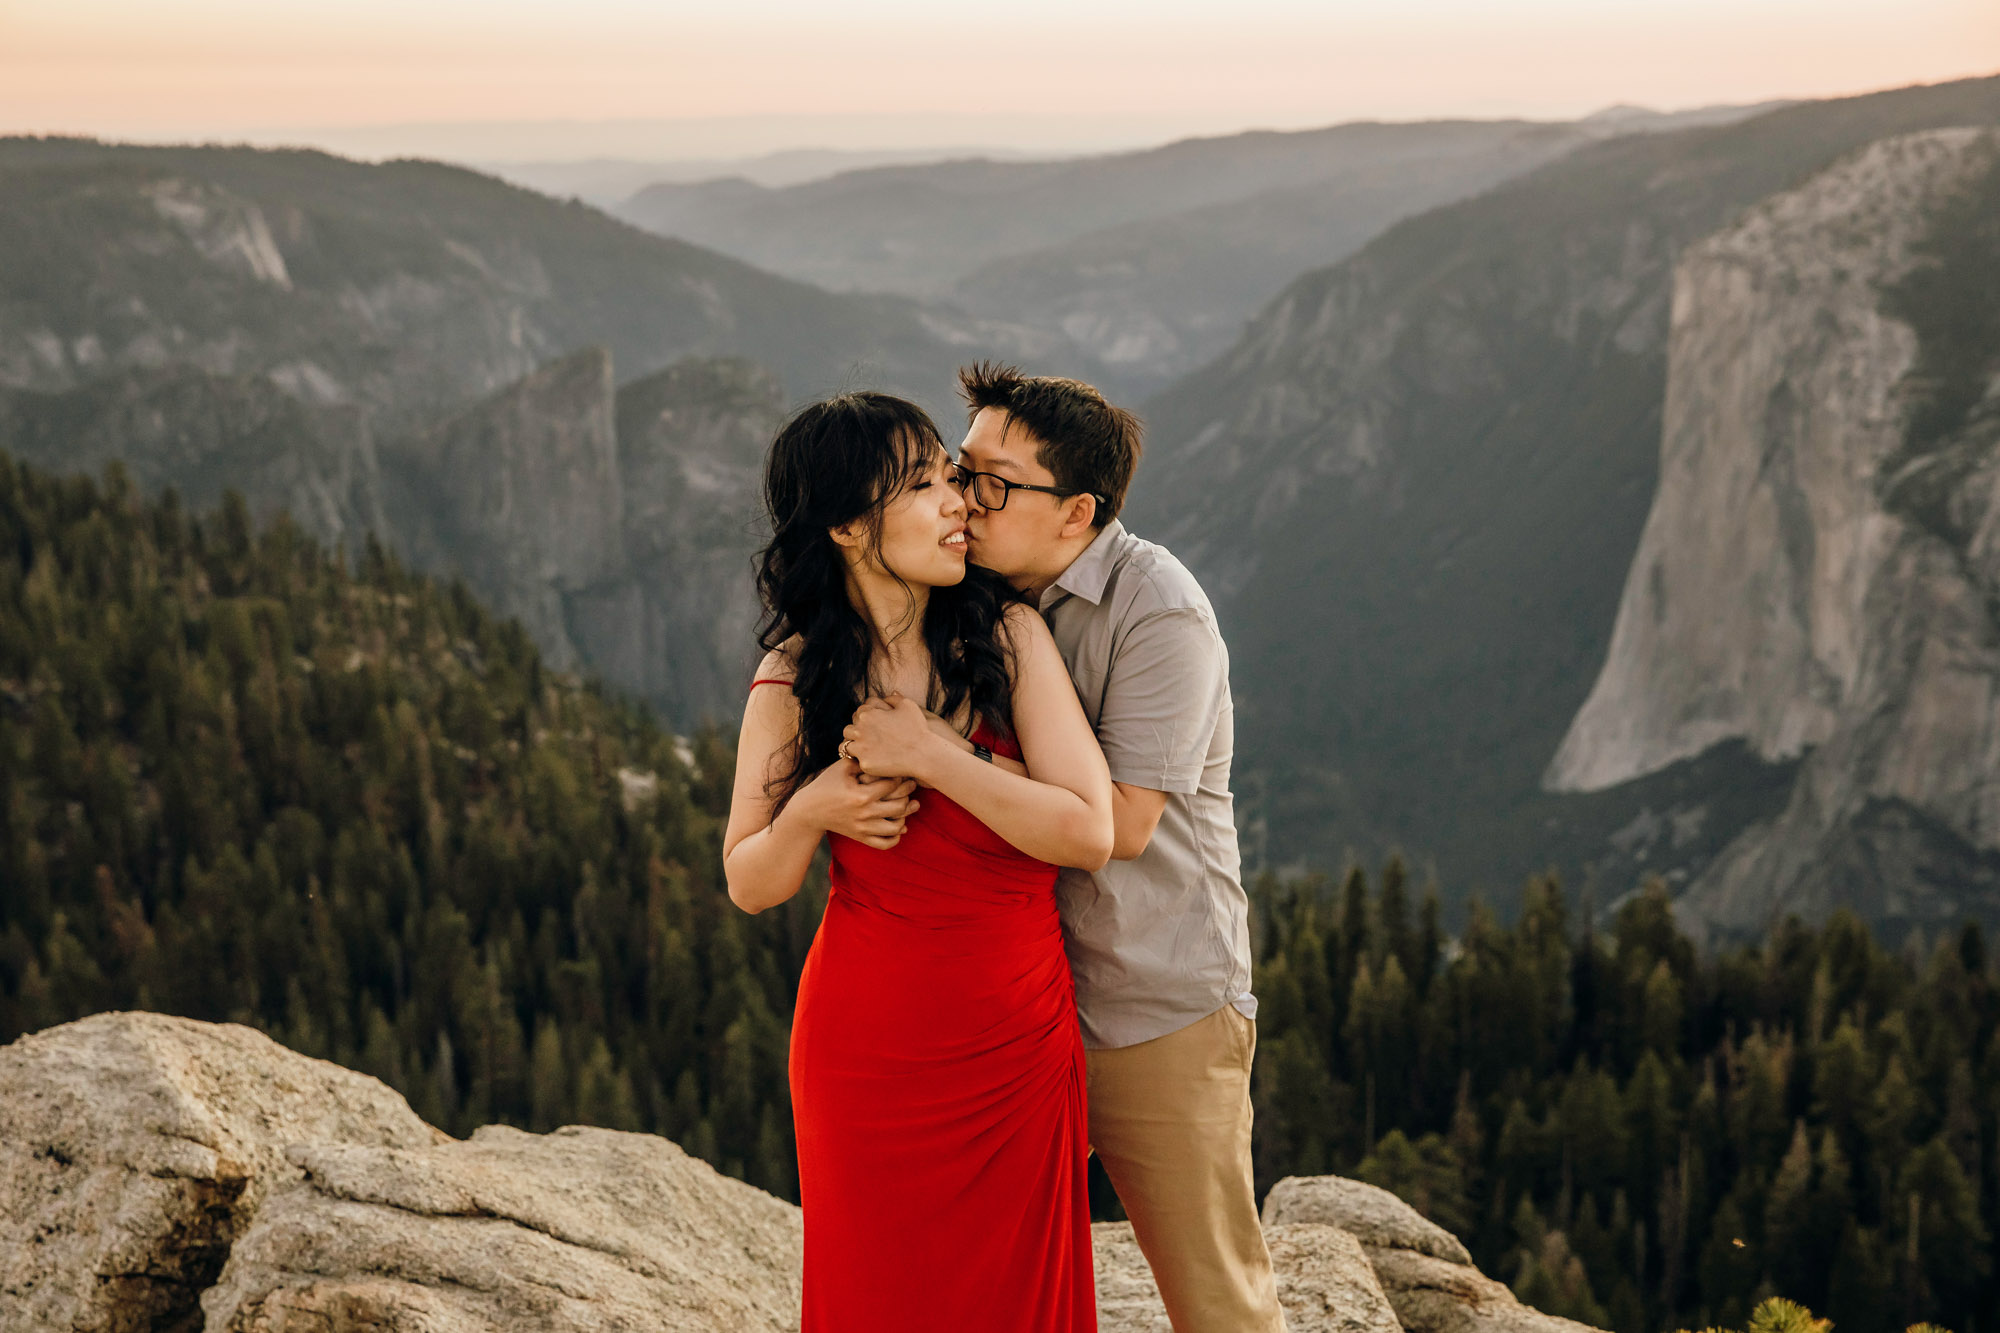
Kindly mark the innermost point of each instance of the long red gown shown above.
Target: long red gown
(937, 1079)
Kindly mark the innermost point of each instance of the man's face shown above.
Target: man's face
(1018, 540)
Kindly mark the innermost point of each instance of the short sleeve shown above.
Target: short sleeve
(1163, 697)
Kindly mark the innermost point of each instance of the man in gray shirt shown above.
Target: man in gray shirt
(1158, 939)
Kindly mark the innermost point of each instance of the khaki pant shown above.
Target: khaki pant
(1170, 1120)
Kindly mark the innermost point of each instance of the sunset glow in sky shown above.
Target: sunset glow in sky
(1093, 70)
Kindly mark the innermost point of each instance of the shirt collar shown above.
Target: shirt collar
(1091, 570)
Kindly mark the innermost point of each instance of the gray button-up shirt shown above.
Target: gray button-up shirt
(1157, 942)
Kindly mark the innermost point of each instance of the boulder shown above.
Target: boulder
(134, 1149)
(1424, 1270)
(1432, 1295)
(1325, 1282)
(161, 1175)
(1377, 1218)
(575, 1231)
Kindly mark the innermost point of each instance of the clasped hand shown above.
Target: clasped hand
(868, 809)
(896, 738)
(868, 794)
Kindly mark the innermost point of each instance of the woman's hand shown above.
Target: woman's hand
(893, 737)
(844, 800)
(767, 853)
(1056, 807)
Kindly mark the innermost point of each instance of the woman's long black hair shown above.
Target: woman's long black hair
(836, 462)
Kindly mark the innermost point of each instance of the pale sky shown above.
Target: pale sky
(670, 78)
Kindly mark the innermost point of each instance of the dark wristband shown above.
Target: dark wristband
(982, 751)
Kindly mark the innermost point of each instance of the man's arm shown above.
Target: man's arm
(1135, 813)
(949, 735)
(1159, 714)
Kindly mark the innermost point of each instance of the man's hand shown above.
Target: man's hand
(946, 732)
(842, 799)
(892, 737)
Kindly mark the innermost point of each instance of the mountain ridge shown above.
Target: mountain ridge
(411, 287)
(1424, 473)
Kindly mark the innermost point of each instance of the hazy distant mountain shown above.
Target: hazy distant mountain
(920, 229)
(1625, 118)
(1151, 260)
(608, 182)
(1159, 296)
(1423, 475)
(407, 288)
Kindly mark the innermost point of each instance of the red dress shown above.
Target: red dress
(938, 1088)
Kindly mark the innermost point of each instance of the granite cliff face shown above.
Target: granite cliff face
(1423, 474)
(1819, 577)
(617, 524)
(204, 434)
(676, 623)
(161, 1175)
(520, 495)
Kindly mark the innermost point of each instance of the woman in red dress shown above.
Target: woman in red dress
(936, 1064)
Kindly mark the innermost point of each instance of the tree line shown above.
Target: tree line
(1639, 1136)
(246, 778)
(242, 781)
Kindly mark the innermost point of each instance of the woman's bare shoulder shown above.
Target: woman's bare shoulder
(781, 663)
(1025, 628)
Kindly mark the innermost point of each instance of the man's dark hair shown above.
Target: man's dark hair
(1086, 443)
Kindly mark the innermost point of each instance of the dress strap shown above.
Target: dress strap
(769, 680)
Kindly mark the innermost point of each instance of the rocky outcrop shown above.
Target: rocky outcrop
(1808, 582)
(159, 1175)
(135, 1149)
(1424, 1271)
(1324, 1282)
(1377, 1218)
(228, 232)
(580, 1230)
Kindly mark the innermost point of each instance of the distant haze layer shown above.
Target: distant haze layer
(517, 80)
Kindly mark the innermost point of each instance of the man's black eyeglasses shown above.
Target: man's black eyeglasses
(989, 490)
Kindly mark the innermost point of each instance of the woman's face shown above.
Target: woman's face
(923, 528)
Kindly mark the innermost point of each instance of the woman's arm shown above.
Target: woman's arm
(1061, 814)
(765, 859)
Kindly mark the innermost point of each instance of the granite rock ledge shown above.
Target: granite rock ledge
(161, 1175)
